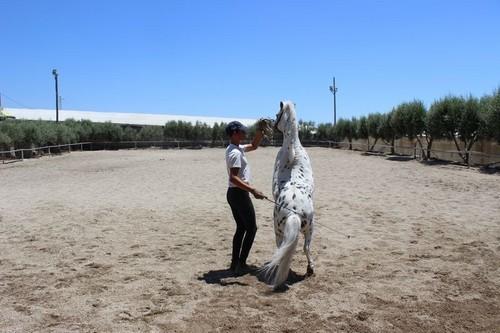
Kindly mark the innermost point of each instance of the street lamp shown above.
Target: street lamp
(54, 72)
(334, 89)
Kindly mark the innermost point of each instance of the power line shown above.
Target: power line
(15, 101)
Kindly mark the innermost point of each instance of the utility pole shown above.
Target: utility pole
(334, 89)
(54, 72)
(60, 102)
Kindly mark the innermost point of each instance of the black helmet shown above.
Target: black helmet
(235, 126)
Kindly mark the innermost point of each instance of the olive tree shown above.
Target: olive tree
(306, 129)
(347, 129)
(218, 133)
(374, 122)
(201, 131)
(5, 141)
(106, 132)
(31, 134)
(323, 131)
(387, 132)
(151, 133)
(65, 134)
(494, 116)
(171, 130)
(12, 130)
(472, 124)
(458, 119)
(129, 134)
(490, 108)
(82, 129)
(409, 120)
(363, 130)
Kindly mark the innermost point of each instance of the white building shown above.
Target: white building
(117, 118)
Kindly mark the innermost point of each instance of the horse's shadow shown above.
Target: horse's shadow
(224, 277)
(292, 279)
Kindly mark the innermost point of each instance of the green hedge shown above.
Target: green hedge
(27, 134)
(22, 134)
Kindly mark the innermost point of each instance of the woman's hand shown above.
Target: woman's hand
(265, 126)
(257, 194)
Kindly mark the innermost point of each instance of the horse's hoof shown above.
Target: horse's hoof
(310, 271)
(281, 288)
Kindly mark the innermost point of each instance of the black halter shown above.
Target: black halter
(278, 119)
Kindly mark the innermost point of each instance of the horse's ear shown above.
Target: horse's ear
(281, 105)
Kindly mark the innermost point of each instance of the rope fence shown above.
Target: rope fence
(14, 155)
(475, 157)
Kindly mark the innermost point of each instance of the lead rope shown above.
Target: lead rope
(323, 226)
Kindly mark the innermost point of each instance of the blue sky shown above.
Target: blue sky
(240, 58)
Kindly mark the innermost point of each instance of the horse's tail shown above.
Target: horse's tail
(279, 265)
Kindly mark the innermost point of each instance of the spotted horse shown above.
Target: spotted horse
(293, 188)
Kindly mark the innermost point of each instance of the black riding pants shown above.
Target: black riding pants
(244, 215)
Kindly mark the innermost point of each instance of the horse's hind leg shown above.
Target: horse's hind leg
(308, 233)
(279, 237)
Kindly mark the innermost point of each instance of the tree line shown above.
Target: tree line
(26, 134)
(463, 120)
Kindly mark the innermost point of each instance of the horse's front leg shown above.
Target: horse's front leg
(308, 233)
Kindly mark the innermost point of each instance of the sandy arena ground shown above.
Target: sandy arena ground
(139, 241)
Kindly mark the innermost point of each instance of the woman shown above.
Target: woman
(238, 193)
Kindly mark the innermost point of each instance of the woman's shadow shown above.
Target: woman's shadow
(221, 277)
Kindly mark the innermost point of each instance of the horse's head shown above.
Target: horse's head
(285, 118)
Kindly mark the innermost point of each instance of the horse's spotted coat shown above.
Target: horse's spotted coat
(293, 184)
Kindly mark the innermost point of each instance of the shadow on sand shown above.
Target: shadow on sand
(389, 157)
(226, 277)
(372, 153)
(400, 158)
(220, 276)
(490, 170)
(433, 162)
(292, 279)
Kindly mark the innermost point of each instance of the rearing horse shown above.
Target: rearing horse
(293, 188)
